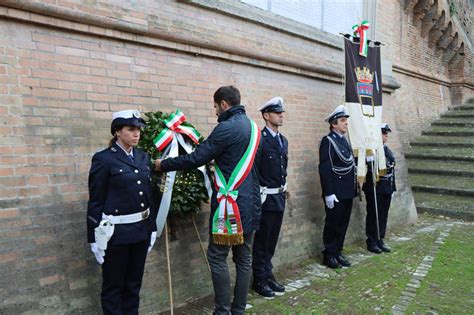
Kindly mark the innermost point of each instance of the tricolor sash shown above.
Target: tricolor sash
(168, 141)
(226, 223)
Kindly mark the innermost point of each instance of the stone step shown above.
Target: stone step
(440, 172)
(448, 192)
(449, 133)
(456, 186)
(456, 207)
(443, 141)
(455, 168)
(462, 108)
(451, 123)
(441, 153)
(458, 114)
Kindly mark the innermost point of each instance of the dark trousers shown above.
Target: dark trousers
(122, 273)
(242, 258)
(383, 204)
(335, 227)
(264, 244)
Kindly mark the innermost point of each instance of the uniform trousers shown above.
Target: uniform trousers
(264, 244)
(242, 257)
(383, 204)
(122, 273)
(335, 227)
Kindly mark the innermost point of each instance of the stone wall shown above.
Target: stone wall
(65, 66)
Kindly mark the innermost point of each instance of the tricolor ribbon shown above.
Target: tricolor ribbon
(168, 141)
(226, 223)
(361, 32)
(173, 124)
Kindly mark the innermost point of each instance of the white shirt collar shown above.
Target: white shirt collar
(273, 133)
(127, 153)
(339, 134)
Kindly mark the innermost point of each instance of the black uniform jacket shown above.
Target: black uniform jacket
(386, 184)
(343, 186)
(226, 145)
(272, 162)
(118, 186)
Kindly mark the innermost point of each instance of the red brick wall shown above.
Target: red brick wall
(60, 80)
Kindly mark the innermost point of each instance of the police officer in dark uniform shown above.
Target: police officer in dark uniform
(384, 190)
(272, 161)
(337, 173)
(121, 226)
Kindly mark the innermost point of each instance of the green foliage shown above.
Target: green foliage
(189, 191)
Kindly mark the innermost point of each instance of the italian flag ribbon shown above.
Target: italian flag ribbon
(168, 141)
(226, 223)
(173, 124)
(361, 32)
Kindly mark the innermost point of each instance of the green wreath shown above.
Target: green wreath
(189, 191)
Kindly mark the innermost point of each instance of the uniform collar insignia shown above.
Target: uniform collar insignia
(264, 133)
(113, 149)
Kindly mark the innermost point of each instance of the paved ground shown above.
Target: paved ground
(430, 271)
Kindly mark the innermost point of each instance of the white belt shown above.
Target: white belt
(264, 191)
(126, 219)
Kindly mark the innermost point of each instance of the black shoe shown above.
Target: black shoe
(343, 261)
(374, 249)
(331, 262)
(262, 288)
(275, 286)
(384, 248)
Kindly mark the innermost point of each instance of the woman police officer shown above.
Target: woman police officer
(121, 226)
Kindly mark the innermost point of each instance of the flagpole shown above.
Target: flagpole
(375, 200)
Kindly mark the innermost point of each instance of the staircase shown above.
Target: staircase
(441, 165)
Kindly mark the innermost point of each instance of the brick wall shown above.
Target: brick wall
(66, 66)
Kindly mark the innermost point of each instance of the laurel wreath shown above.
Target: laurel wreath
(189, 191)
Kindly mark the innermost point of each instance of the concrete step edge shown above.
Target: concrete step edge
(456, 173)
(438, 157)
(448, 133)
(468, 216)
(442, 144)
(443, 190)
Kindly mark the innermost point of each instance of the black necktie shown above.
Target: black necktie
(131, 158)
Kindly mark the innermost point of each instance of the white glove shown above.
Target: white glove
(152, 241)
(98, 253)
(330, 201)
(370, 158)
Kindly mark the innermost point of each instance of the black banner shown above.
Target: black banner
(363, 77)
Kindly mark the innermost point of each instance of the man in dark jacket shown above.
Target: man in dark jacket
(227, 145)
(272, 161)
(384, 190)
(338, 182)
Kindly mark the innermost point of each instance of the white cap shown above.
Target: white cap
(339, 112)
(129, 113)
(274, 105)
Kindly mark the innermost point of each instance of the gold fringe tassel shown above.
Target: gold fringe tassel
(228, 239)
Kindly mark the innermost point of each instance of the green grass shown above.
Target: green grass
(449, 286)
(372, 286)
(442, 181)
(438, 201)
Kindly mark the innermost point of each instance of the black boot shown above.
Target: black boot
(383, 247)
(331, 262)
(262, 288)
(343, 261)
(278, 288)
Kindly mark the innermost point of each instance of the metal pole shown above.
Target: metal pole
(200, 243)
(375, 201)
(169, 269)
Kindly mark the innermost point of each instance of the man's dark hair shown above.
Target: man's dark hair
(230, 94)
